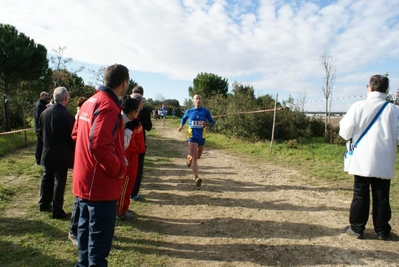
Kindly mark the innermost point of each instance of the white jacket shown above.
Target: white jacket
(375, 155)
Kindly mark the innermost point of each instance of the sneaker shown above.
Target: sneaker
(384, 237)
(198, 182)
(128, 216)
(137, 197)
(189, 160)
(349, 230)
(73, 239)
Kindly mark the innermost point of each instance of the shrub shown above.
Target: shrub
(291, 144)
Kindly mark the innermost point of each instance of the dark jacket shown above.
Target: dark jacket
(39, 108)
(145, 119)
(56, 125)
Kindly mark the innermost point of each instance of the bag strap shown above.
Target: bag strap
(371, 124)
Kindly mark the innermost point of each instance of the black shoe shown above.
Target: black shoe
(349, 230)
(45, 209)
(384, 237)
(62, 215)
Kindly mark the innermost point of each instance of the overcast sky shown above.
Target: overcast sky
(272, 45)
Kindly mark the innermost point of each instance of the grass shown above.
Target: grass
(10, 142)
(31, 238)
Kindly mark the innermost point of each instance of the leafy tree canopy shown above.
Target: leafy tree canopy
(20, 57)
(209, 85)
(20, 60)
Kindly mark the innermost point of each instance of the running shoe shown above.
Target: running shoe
(198, 182)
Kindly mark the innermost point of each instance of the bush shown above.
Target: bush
(291, 144)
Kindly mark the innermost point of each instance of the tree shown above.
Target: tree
(21, 59)
(239, 89)
(188, 103)
(159, 98)
(98, 76)
(209, 85)
(62, 76)
(301, 101)
(267, 102)
(289, 103)
(132, 84)
(328, 64)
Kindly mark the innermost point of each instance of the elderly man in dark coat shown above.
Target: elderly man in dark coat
(56, 125)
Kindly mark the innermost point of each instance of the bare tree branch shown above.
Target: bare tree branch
(328, 63)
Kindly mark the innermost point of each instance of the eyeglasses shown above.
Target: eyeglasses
(367, 86)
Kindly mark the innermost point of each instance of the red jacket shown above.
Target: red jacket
(137, 143)
(99, 156)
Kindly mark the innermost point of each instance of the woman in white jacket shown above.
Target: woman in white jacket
(373, 160)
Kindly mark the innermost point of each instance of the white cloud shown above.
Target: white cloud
(277, 41)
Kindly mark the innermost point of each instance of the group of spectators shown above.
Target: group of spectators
(105, 146)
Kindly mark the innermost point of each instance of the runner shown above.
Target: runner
(198, 118)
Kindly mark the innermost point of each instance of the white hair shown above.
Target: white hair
(60, 94)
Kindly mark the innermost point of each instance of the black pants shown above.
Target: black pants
(39, 148)
(139, 176)
(52, 189)
(360, 207)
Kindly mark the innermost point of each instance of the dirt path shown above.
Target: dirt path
(253, 214)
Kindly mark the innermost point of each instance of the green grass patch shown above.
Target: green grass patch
(314, 159)
(10, 142)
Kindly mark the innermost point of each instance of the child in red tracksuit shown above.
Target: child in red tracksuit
(134, 146)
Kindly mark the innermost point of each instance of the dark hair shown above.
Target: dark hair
(138, 89)
(129, 104)
(80, 101)
(115, 75)
(379, 83)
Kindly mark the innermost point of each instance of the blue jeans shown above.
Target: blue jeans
(95, 232)
(73, 230)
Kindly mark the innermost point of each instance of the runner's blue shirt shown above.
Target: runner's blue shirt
(194, 117)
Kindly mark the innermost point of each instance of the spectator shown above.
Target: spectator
(373, 160)
(79, 103)
(145, 119)
(40, 106)
(73, 229)
(100, 166)
(134, 146)
(56, 125)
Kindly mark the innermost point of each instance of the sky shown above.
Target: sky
(272, 45)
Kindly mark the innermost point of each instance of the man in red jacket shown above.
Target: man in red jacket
(99, 166)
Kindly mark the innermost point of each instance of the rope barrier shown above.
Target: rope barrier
(16, 131)
(248, 112)
(338, 98)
